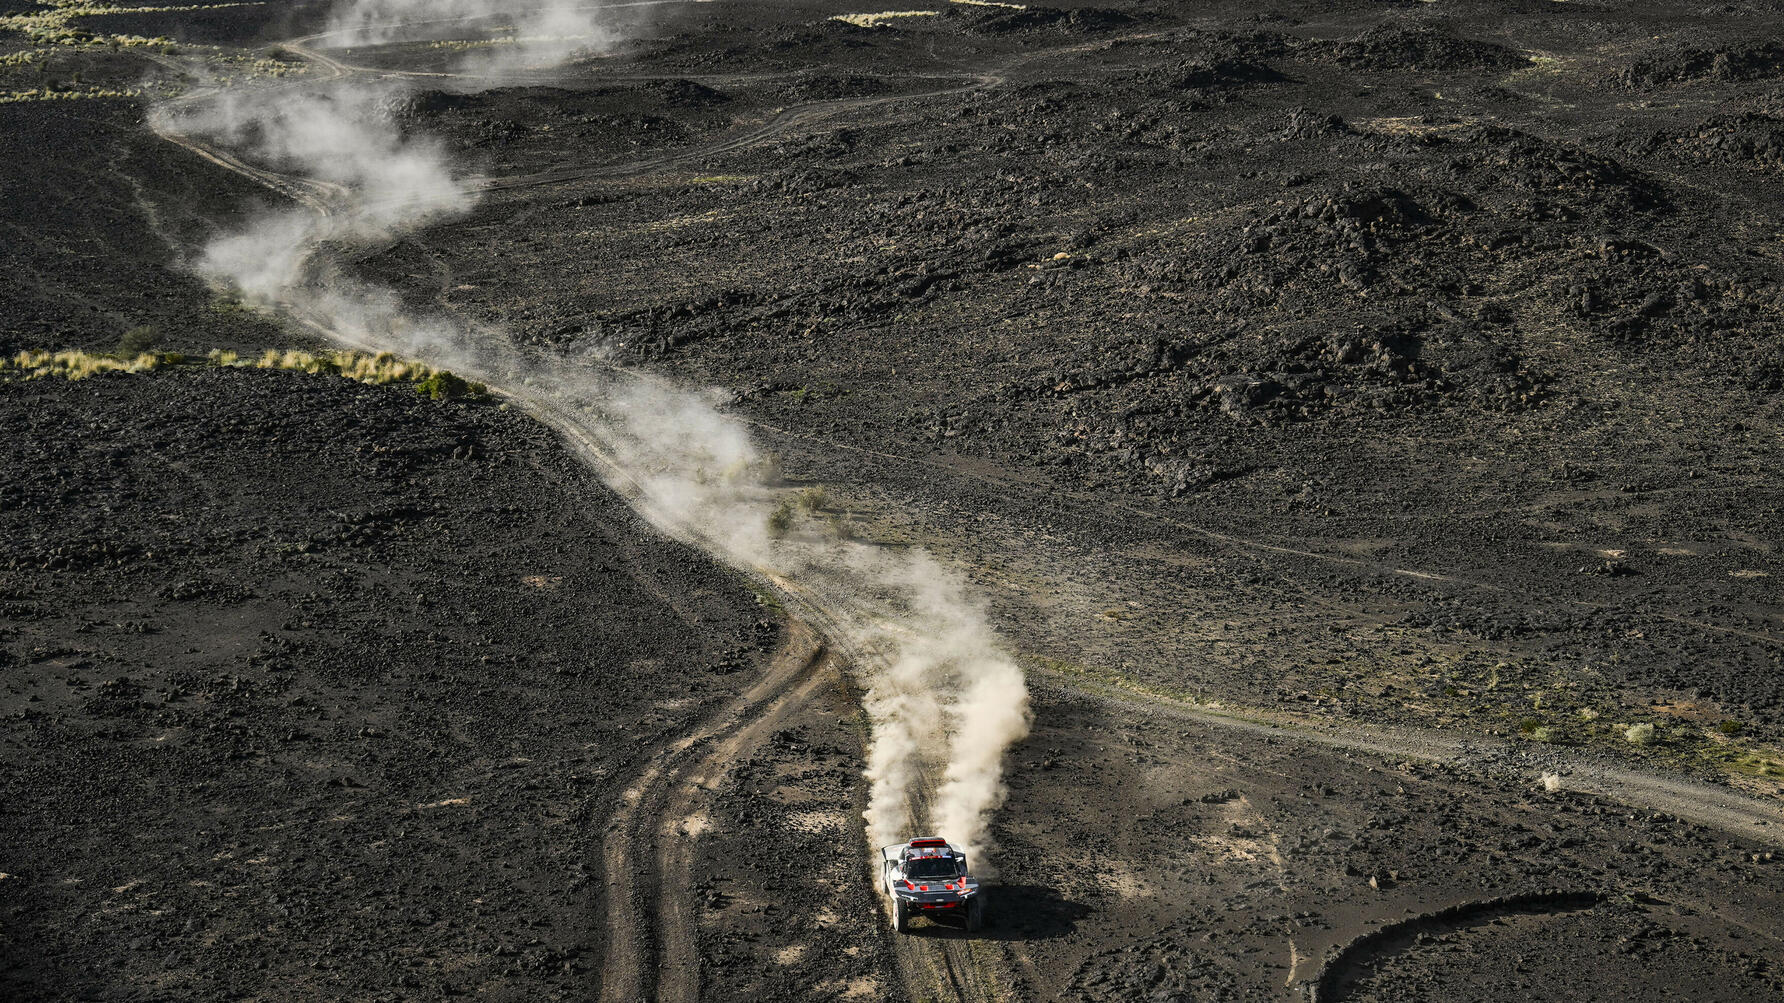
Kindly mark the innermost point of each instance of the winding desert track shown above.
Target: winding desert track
(678, 958)
(1750, 817)
(651, 916)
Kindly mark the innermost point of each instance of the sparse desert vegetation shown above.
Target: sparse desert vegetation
(139, 339)
(77, 365)
(70, 94)
(378, 368)
(882, 18)
(56, 25)
(780, 520)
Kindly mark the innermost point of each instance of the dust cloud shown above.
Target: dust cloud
(535, 34)
(945, 700)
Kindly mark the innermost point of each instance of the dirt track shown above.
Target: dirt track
(1294, 602)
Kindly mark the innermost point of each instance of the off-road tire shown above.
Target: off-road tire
(975, 916)
(901, 915)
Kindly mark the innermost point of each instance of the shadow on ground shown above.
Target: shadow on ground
(1014, 912)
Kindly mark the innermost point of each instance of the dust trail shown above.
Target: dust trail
(531, 34)
(942, 695)
(344, 133)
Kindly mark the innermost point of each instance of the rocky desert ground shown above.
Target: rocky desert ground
(1357, 421)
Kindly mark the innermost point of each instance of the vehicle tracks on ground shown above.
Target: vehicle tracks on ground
(651, 945)
(1716, 807)
(651, 913)
(1052, 494)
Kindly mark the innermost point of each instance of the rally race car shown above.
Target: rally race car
(928, 877)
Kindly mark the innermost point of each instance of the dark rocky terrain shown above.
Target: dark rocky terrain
(322, 691)
(1490, 301)
(1350, 412)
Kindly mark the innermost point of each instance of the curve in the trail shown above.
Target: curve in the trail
(650, 924)
(1346, 962)
(319, 196)
(650, 949)
(944, 967)
(678, 956)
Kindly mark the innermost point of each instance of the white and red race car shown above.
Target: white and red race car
(928, 877)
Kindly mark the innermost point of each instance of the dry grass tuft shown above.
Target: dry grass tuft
(77, 365)
(381, 368)
(882, 19)
(378, 369)
(52, 94)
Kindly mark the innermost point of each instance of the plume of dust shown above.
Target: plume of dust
(344, 133)
(344, 137)
(943, 690)
(533, 34)
(943, 693)
(939, 690)
(949, 676)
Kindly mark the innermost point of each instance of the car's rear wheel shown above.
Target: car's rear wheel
(901, 915)
(975, 915)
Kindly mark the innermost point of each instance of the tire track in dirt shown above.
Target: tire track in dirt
(650, 949)
(1350, 960)
(944, 962)
(678, 956)
(934, 967)
(793, 117)
(787, 119)
(318, 196)
(1739, 814)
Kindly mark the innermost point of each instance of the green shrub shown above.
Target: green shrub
(1639, 734)
(447, 386)
(780, 520)
(138, 340)
(1731, 728)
